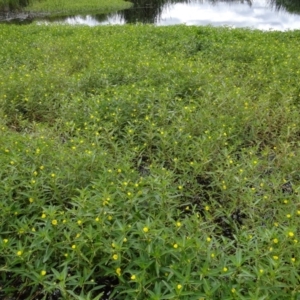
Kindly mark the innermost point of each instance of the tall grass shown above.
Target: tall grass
(149, 163)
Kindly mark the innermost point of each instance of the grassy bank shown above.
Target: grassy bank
(153, 162)
(65, 7)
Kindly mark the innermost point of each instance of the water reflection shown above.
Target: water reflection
(151, 12)
(147, 11)
(257, 15)
(292, 6)
(260, 14)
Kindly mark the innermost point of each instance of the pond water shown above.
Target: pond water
(259, 14)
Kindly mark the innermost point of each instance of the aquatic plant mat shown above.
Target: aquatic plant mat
(143, 162)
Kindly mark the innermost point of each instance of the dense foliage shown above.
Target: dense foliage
(148, 162)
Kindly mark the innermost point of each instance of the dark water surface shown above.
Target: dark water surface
(259, 14)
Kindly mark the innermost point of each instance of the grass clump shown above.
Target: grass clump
(148, 162)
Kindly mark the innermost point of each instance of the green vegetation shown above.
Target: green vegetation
(65, 7)
(12, 4)
(162, 160)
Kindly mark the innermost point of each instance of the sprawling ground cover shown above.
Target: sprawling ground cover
(149, 162)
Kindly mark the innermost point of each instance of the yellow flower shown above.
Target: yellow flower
(109, 218)
(43, 273)
(288, 215)
(5, 241)
(275, 257)
(285, 201)
(124, 240)
(208, 239)
(275, 241)
(291, 234)
(19, 253)
(179, 287)
(261, 271)
(54, 222)
(73, 246)
(293, 259)
(118, 271)
(115, 256)
(178, 224)
(43, 216)
(225, 269)
(175, 246)
(52, 175)
(233, 290)
(145, 229)
(133, 277)
(79, 222)
(97, 219)
(212, 255)
(207, 208)
(30, 200)
(180, 187)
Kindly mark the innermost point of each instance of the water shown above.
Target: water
(259, 14)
